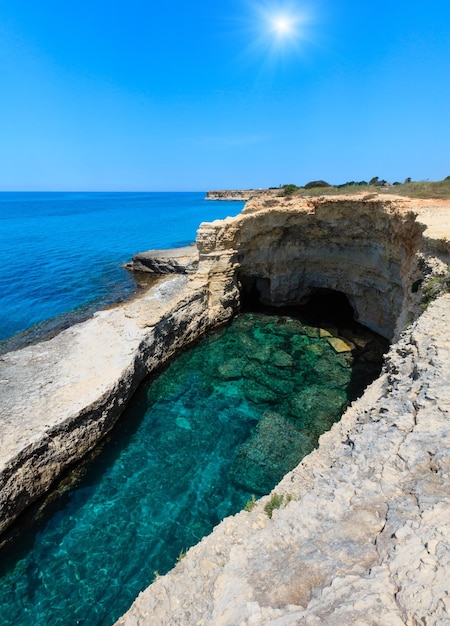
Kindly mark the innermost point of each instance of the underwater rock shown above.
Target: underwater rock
(305, 404)
(264, 459)
(253, 349)
(331, 375)
(232, 368)
(282, 359)
(279, 381)
(317, 349)
(257, 393)
(341, 345)
(182, 422)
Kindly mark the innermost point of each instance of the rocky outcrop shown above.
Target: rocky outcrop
(366, 247)
(362, 533)
(172, 261)
(364, 511)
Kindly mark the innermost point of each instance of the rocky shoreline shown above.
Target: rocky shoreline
(336, 561)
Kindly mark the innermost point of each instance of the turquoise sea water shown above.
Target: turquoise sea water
(62, 254)
(227, 419)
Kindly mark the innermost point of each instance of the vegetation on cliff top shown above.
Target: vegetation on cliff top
(409, 188)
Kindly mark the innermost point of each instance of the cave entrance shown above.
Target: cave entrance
(320, 305)
(328, 306)
(254, 291)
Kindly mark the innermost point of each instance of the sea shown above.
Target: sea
(62, 254)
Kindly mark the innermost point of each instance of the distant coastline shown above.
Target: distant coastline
(240, 194)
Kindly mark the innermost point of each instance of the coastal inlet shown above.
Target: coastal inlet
(225, 421)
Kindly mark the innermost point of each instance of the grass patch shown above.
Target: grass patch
(411, 189)
(250, 504)
(435, 287)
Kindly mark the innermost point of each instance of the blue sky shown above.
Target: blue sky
(145, 95)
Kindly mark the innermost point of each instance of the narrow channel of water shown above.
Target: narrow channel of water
(227, 419)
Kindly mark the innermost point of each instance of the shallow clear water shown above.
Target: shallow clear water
(227, 419)
(62, 254)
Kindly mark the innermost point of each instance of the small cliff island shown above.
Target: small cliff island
(359, 531)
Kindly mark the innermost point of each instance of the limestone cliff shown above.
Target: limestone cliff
(369, 507)
(363, 533)
(363, 247)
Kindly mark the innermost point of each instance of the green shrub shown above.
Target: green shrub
(274, 503)
(317, 183)
(289, 190)
(250, 505)
(435, 287)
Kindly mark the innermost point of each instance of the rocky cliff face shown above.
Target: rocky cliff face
(366, 511)
(284, 250)
(361, 534)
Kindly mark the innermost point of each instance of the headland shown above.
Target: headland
(240, 194)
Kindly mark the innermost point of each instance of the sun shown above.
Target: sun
(279, 31)
(283, 25)
(283, 22)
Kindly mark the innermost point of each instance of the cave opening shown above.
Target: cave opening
(328, 306)
(321, 305)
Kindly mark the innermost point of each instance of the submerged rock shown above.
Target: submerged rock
(280, 358)
(341, 345)
(232, 368)
(258, 393)
(182, 422)
(305, 404)
(266, 457)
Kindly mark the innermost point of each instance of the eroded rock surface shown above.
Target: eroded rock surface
(363, 534)
(172, 261)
